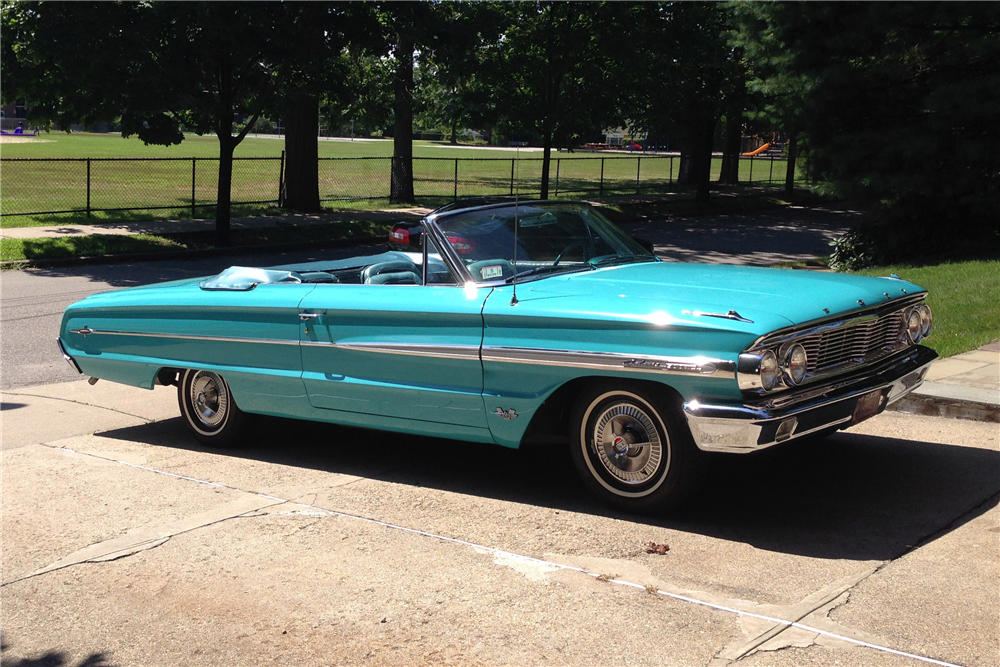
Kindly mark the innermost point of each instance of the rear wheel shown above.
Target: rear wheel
(632, 449)
(209, 410)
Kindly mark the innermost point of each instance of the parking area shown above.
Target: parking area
(125, 543)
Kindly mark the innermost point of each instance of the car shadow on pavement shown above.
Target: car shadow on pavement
(849, 496)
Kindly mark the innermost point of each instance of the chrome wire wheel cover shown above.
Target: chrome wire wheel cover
(627, 443)
(208, 397)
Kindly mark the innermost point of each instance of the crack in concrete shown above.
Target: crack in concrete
(89, 405)
(768, 640)
(144, 539)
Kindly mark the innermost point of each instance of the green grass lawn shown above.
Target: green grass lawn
(21, 250)
(183, 187)
(964, 297)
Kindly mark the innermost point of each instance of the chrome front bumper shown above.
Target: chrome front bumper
(834, 404)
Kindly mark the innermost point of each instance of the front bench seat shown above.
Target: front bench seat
(394, 278)
(381, 273)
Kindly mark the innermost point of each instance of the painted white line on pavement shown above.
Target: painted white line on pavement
(560, 566)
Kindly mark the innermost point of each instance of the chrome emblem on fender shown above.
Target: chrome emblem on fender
(506, 414)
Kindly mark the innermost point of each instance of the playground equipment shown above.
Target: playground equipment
(758, 151)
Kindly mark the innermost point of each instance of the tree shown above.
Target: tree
(554, 71)
(895, 104)
(311, 57)
(160, 66)
(451, 89)
(681, 89)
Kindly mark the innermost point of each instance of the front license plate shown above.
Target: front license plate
(868, 406)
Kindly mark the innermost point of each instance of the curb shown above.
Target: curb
(59, 262)
(937, 406)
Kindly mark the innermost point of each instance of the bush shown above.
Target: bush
(857, 249)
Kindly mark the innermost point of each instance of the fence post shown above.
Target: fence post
(455, 197)
(558, 160)
(770, 174)
(281, 181)
(638, 163)
(88, 187)
(602, 177)
(512, 177)
(751, 170)
(193, 184)
(671, 170)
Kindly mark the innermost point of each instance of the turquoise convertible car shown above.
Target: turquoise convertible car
(517, 321)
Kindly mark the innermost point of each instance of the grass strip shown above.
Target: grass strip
(27, 250)
(964, 298)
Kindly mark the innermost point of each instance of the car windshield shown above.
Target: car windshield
(551, 238)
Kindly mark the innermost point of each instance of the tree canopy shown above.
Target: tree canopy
(894, 104)
(897, 104)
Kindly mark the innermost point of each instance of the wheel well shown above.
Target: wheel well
(550, 420)
(169, 376)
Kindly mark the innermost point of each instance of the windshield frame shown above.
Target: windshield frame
(455, 263)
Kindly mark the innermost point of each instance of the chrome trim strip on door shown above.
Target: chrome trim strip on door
(414, 350)
(216, 339)
(612, 361)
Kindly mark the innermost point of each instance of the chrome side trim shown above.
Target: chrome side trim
(69, 360)
(611, 361)
(414, 350)
(215, 339)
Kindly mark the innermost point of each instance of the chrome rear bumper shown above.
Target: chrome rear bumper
(760, 424)
(69, 360)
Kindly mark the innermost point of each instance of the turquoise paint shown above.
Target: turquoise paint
(396, 385)
(635, 309)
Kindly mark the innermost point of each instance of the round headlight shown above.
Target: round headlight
(914, 326)
(795, 364)
(768, 370)
(926, 319)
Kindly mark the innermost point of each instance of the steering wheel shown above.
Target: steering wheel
(574, 244)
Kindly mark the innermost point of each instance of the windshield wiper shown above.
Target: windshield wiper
(559, 268)
(623, 259)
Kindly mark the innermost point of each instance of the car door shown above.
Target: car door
(402, 351)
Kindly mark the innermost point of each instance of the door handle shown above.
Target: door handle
(305, 317)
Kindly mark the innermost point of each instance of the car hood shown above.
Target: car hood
(773, 298)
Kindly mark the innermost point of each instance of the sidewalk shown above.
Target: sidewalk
(158, 227)
(966, 386)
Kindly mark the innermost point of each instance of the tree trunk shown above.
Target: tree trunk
(790, 173)
(730, 174)
(696, 158)
(454, 130)
(301, 154)
(223, 203)
(546, 162)
(402, 135)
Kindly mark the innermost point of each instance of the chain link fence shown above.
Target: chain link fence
(42, 186)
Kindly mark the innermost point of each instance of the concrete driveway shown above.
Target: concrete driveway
(124, 543)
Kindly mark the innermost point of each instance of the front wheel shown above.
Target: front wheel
(209, 409)
(632, 449)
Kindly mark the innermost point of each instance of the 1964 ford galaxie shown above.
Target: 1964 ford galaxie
(521, 320)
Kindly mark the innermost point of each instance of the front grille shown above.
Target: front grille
(853, 344)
